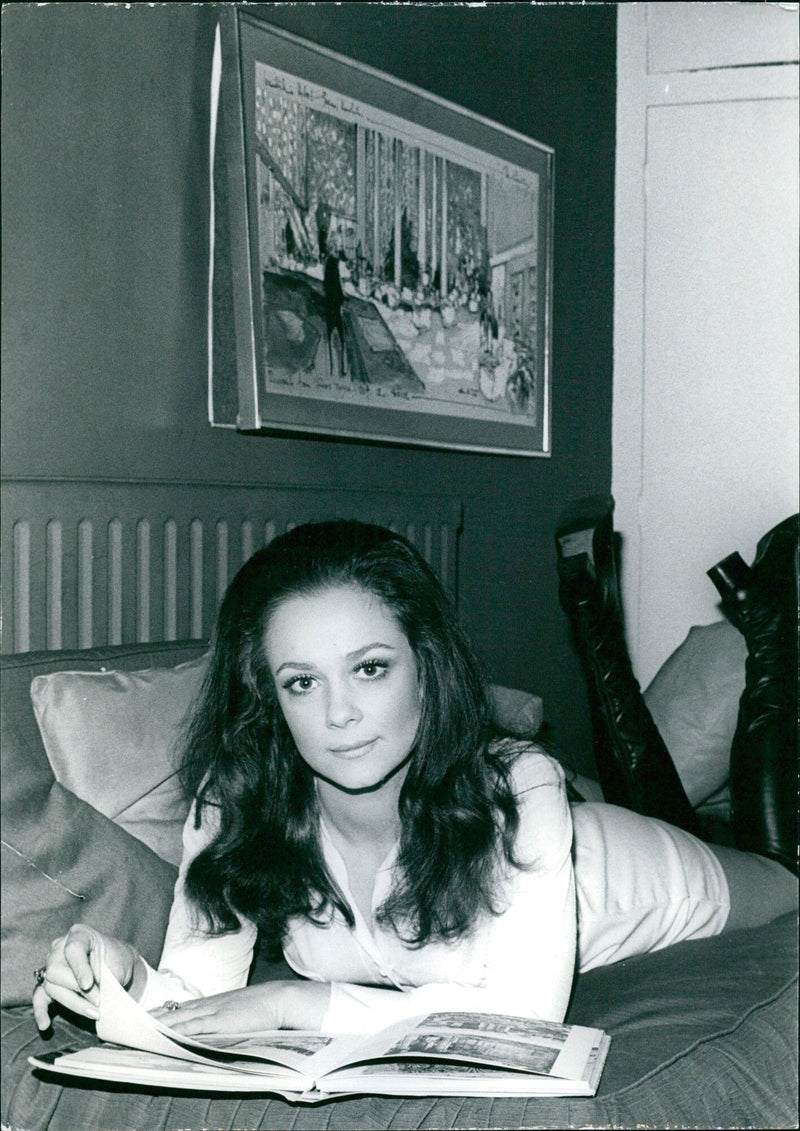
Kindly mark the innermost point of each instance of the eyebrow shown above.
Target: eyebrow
(356, 655)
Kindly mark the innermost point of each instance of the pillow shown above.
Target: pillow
(64, 863)
(694, 701)
(111, 739)
(518, 712)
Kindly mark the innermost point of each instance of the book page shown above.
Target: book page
(123, 1021)
(518, 1043)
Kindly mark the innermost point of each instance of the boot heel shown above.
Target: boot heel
(585, 532)
(731, 577)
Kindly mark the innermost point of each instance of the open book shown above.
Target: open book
(468, 1054)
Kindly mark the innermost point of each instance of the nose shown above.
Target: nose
(342, 708)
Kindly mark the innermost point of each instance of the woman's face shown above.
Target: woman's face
(346, 680)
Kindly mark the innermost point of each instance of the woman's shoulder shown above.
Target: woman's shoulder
(531, 767)
(544, 835)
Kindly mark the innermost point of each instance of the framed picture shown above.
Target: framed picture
(390, 256)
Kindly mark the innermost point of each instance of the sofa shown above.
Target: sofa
(704, 1034)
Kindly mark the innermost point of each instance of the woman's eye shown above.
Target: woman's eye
(299, 684)
(372, 669)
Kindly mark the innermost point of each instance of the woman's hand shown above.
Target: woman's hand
(72, 973)
(269, 1005)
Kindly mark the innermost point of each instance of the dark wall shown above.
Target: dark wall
(105, 259)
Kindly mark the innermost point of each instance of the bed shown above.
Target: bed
(117, 579)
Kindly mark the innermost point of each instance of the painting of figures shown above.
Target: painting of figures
(400, 274)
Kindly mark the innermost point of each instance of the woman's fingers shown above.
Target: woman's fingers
(186, 1021)
(237, 1011)
(50, 991)
(41, 1012)
(72, 999)
(83, 951)
(193, 1018)
(198, 1026)
(61, 984)
(174, 1013)
(73, 964)
(165, 1014)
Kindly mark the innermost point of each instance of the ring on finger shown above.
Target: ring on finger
(171, 1006)
(40, 975)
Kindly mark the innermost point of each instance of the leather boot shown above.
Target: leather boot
(761, 601)
(634, 766)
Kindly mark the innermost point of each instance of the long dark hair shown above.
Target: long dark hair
(457, 808)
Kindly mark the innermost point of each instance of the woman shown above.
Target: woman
(353, 803)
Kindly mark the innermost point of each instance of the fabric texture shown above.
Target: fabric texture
(694, 701)
(703, 1034)
(112, 738)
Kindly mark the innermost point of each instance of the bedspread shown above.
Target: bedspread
(704, 1034)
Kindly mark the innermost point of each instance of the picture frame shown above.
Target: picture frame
(388, 256)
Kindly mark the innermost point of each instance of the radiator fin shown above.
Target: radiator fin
(22, 586)
(170, 579)
(143, 581)
(196, 584)
(54, 582)
(115, 581)
(85, 583)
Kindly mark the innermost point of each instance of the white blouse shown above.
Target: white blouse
(519, 961)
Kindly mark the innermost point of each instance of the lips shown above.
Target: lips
(353, 750)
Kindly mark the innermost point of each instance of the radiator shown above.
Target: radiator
(109, 562)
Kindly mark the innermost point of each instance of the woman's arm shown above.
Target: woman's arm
(533, 945)
(193, 963)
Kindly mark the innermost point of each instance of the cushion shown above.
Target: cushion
(694, 700)
(64, 862)
(518, 712)
(111, 738)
